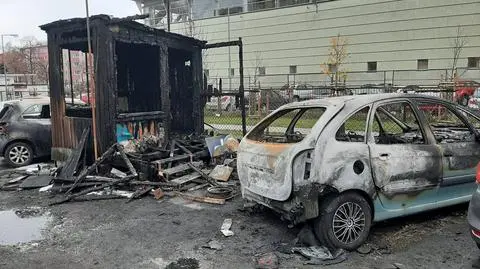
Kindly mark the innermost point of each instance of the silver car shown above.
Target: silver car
(347, 162)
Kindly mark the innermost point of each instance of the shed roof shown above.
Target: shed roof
(127, 22)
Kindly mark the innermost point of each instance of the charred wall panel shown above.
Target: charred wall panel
(105, 87)
(57, 102)
(197, 105)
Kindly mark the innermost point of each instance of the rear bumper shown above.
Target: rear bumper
(473, 217)
(299, 207)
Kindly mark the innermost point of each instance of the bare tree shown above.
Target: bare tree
(458, 44)
(257, 63)
(337, 55)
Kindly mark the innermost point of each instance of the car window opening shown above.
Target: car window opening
(287, 126)
(396, 123)
(447, 127)
(353, 129)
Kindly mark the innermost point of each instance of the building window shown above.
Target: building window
(206, 72)
(232, 72)
(261, 71)
(372, 66)
(422, 64)
(284, 3)
(254, 5)
(473, 62)
(227, 11)
(293, 69)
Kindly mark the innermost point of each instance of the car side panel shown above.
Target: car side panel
(38, 134)
(334, 160)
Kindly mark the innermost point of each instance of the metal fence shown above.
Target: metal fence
(270, 92)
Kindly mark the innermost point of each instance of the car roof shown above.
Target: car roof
(356, 100)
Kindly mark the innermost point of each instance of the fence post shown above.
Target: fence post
(242, 89)
(384, 79)
(393, 77)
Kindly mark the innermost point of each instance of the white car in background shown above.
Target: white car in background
(474, 101)
(227, 103)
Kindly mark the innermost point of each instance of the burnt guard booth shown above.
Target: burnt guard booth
(147, 81)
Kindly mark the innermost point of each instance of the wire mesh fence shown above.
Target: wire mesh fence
(269, 93)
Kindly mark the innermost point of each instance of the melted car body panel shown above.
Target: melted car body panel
(267, 169)
(402, 176)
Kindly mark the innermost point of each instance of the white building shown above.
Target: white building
(392, 41)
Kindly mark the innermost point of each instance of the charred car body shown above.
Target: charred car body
(346, 162)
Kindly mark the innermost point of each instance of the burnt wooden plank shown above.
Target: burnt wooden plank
(105, 86)
(165, 88)
(125, 117)
(197, 114)
(72, 163)
(56, 87)
(186, 178)
(200, 154)
(179, 169)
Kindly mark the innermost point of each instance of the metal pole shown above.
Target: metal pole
(229, 55)
(94, 123)
(4, 70)
(242, 89)
(168, 15)
(87, 79)
(70, 72)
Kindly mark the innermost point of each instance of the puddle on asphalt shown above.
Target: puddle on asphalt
(22, 226)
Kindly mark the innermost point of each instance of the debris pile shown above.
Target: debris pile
(196, 169)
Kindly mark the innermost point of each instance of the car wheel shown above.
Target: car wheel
(464, 101)
(19, 154)
(228, 108)
(344, 221)
(296, 99)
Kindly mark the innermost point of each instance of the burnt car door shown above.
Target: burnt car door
(36, 119)
(405, 162)
(455, 133)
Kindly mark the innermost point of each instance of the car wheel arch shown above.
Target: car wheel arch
(332, 193)
(26, 141)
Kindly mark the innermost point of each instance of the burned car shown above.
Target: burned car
(347, 162)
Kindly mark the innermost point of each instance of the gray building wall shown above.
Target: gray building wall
(393, 33)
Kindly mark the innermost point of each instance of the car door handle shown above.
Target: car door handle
(384, 156)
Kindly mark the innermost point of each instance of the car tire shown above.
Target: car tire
(352, 216)
(19, 154)
(228, 108)
(464, 101)
(296, 99)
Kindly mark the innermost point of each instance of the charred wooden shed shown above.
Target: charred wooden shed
(147, 81)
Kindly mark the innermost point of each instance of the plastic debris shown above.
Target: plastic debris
(267, 261)
(225, 229)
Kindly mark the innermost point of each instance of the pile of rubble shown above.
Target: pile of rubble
(195, 168)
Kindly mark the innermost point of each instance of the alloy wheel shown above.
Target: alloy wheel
(19, 154)
(348, 222)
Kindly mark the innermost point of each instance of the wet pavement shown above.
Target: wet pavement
(172, 233)
(20, 226)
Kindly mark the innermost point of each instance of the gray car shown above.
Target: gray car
(347, 162)
(25, 131)
(474, 212)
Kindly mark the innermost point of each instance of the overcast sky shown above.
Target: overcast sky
(23, 17)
